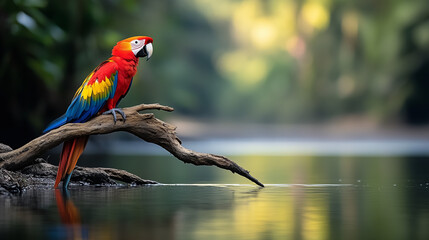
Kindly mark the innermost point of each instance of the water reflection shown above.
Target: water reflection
(70, 217)
(390, 201)
(280, 211)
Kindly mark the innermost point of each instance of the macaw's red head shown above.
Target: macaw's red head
(134, 47)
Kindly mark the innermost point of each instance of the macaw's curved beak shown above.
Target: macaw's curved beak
(146, 51)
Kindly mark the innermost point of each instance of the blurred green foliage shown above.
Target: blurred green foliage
(250, 60)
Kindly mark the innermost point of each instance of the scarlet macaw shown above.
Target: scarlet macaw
(101, 91)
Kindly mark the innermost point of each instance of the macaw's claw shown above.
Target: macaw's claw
(113, 112)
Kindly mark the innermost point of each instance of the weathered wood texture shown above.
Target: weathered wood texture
(85, 175)
(42, 175)
(144, 126)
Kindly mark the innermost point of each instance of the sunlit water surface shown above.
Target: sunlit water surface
(304, 198)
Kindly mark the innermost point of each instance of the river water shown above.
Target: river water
(306, 197)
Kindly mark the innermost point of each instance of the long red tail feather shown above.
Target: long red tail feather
(79, 146)
(71, 152)
(63, 161)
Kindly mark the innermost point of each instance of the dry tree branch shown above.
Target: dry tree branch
(144, 126)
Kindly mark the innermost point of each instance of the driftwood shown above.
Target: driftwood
(42, 175)
(98, 175)
(144, 126)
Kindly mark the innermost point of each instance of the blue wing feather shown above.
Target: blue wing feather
(81, 109)
(56, 123)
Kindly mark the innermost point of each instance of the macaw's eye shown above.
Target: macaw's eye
(136, 44)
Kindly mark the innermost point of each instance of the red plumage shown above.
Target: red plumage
(101, 91)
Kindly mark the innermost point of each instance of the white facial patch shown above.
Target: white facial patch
(137, 45)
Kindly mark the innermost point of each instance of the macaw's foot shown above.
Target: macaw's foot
(113, 112)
